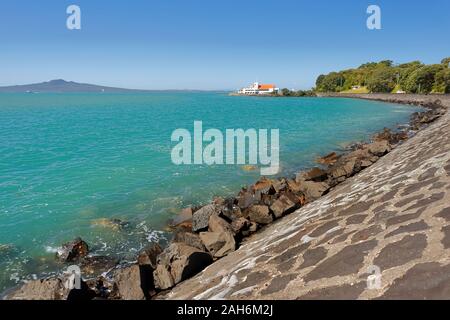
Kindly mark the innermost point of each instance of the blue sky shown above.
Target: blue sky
(211, 44)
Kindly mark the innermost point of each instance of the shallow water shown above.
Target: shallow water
(70, 160)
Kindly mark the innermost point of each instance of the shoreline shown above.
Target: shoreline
(220, 227)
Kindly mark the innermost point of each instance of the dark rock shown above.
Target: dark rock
(329, 159)
(230, 210)
(251, 229)
(219, 240)
(179, 262)
(247, 198)
(279, 185)
(127, 283)
(84, 293)
(44, 289)
(263, 186)
(392, 137)
(260, 214)
(343, 168)
(73, 251)
(189, 238)
(94, 265)
(283, 205)
(316, 174)
(200, 218)
(149, 255)
(240, 225)
(379, 148)
(314, 190)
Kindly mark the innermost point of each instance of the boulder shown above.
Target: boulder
(240, 225)
(127, 283)
(260, 214)
(179, 262)
(379, 148)
(263, 186)
(279, 185)
(316, 174)
(343, 168)
(219, 240)
(163, 277)
(149, 255)
(189, 238)
(253, 227)
(45, 289)
(200, 218)
(247, 198)
(283, 205)
(148, 260)
(293, 186)
(314, 190)
(329, 159)
(73, 251)
(230, 210)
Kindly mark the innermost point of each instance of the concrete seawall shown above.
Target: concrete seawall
(392, 220)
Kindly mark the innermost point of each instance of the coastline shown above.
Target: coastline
(203, 235)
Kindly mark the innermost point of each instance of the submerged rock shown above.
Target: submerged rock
(94, 265)
(73, 251)
(185, 216)
(113, 224)
(6, 249)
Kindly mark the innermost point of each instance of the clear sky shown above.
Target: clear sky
(212, 44)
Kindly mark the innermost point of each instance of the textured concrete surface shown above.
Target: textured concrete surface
(394, 215)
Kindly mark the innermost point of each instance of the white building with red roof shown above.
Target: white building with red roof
(259, 88)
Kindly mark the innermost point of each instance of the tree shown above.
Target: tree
(382, 80)
(333, 82)
(442, 81)
(422, 80)
(285, 92)
(446, 62)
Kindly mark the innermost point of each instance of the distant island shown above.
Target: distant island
(62, 86)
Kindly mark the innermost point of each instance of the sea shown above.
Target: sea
(69, 163)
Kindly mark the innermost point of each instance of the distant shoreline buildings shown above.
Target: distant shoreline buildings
(258, 88)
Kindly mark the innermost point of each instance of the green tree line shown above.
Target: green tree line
(385, 77)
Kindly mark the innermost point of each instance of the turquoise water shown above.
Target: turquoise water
(68, 160)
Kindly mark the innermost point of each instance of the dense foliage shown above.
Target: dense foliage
(300, 93)
(384, 76)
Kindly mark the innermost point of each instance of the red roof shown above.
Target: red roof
(266, 86)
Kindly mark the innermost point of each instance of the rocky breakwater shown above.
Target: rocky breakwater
(217, 230)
